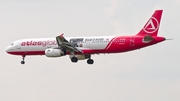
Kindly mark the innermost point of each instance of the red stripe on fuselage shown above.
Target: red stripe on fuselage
(43, 52)
(110, 43)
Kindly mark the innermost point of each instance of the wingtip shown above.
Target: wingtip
(62, 35)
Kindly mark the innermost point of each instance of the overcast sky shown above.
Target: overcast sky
(149, 74)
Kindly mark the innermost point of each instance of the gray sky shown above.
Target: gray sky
(149, 74)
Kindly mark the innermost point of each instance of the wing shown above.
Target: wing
(63, 43)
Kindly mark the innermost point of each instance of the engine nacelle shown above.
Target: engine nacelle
(80, 57)
(54, 52)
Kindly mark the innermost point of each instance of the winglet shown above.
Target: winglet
(61, 35)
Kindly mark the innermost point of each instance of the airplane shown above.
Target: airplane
(81, 48)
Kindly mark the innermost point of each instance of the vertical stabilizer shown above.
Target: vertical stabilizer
(152, 26)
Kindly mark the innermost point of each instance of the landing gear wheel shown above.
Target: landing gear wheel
(22, 62)
(23, 58)
(90, 61)
(74, 59)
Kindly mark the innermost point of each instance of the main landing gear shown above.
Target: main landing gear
(74, 59)
(90, 61)
(23, 58)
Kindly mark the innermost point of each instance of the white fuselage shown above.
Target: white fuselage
(41, 44)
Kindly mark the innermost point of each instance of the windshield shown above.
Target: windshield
(12, 44)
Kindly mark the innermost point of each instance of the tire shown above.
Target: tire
(90, 61)
(74, 59)
(22, 62)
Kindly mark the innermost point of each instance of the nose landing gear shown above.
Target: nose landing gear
(23, 58)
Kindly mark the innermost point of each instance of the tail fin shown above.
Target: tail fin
(152, 26)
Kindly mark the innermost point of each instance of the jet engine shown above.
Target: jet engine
(80, 57)
(54, 52)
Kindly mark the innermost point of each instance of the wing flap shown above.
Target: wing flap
(63, 43)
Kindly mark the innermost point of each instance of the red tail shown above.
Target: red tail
(152, 26)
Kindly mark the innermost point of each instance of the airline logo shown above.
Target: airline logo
(39, 43)
(151, 26)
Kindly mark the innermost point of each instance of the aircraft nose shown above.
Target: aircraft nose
(7, 49)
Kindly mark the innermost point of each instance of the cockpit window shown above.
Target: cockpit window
(12, 44)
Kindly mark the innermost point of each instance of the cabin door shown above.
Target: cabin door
(132, 41)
